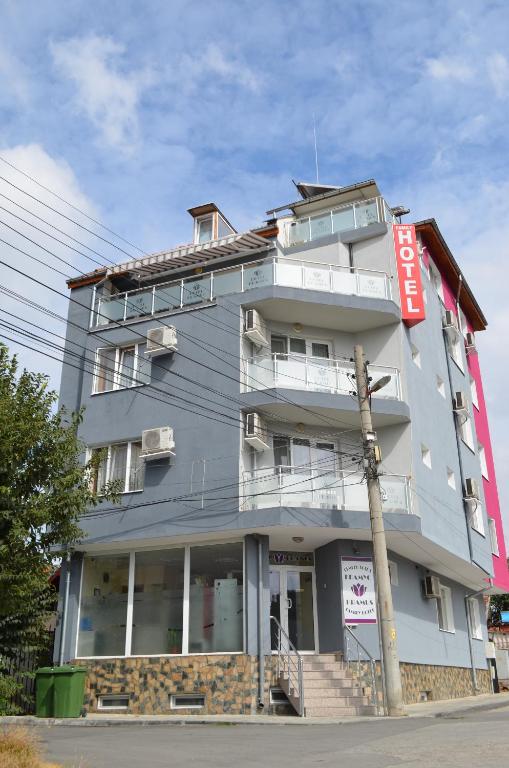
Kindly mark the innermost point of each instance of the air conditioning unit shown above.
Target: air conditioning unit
(161, 340)
(450, 323)
(256, 432)
(470, 342)
(254, 328)
(471, 488)
(431, 586)
(460, 402)
(157, 443)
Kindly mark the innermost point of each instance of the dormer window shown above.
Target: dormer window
(209, 223)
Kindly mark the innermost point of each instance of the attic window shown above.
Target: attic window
(204, 229)
(209, 223)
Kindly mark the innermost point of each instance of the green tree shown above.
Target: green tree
(497, 603)
(44, 489)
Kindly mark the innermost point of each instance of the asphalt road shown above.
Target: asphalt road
(476, 738)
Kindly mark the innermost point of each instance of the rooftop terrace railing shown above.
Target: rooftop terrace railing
(277, 270)
(339, 219)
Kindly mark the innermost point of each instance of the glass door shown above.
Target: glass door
(292, 603)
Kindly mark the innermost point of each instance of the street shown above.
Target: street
(480, 737)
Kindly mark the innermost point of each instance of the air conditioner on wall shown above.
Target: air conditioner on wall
(471, 489)
(431, 586)
(256, 432)
(254, 328)
(162, 340)
(157, 443)
(450, 323)
(470, 342)
(460, 402)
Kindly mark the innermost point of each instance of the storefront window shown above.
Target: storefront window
(103, 613)
(158, 602)
(215, 599)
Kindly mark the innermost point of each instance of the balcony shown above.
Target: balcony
(343, 218)
(279, 271)
(290, 486)
(314, 374)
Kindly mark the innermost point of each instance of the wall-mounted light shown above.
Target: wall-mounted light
(297, 327)
(298, 539)
(300, 427)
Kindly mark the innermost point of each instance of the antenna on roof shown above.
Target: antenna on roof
(316, 149)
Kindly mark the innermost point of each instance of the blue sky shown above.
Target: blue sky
(136, 111)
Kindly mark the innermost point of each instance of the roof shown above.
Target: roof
(187, 255)
(448, 265)
(351, 192)
(307, 189)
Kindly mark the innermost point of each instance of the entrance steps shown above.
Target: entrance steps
(330, 689)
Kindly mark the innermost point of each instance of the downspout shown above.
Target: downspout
(261, 654)
(65, 607)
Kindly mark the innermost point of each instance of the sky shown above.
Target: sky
(134, 112)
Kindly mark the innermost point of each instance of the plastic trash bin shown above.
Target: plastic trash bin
(69, 688)
(44, 680)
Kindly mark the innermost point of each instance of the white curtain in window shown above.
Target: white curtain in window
(118, 463)
(105, 372)
(136, 468)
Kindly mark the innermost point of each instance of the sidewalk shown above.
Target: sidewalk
(449, 708)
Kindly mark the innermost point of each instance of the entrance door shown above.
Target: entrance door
(292, 603)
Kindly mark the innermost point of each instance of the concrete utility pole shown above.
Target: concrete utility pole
(386, 613)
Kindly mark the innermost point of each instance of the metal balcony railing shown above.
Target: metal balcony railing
(308, 486)
(278, 270)
(315, 374)
(339, 219)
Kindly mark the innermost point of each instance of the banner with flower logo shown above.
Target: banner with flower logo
(359, 597)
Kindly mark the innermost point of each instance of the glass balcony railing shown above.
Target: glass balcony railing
(315, 374)
(201, 289)
(339, 219)
(311, 487)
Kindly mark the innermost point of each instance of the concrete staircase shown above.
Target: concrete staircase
(330, 689)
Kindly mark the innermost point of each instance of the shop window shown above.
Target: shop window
(103, 609)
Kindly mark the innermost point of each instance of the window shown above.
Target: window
(296, 345)
(482, 460)
(187, 701)
(120, 368)
(416, 355)
(103, 612)
(293, 453)
(445, 612)
(393, 573)
(473, 392)
(120, 462)
(110, 701)
(162, 602)
(476, 517)
(463, 322)
(466, 431)
(204, 229)
(474, 619)
(441, 386)
(436, 280)
(492, 527)
(451, 479)
(426, 456)
(456, 349)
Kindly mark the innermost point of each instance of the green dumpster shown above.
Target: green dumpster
(44, 679)
(69, 687)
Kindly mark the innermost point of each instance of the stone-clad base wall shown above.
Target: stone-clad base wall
(440, 682)
(228, 683)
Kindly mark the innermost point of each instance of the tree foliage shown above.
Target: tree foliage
(44, 489)
(497, 603)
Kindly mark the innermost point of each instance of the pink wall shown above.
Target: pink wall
(500, 569)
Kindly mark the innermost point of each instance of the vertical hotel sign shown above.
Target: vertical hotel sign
(409, 274)
(359, 597)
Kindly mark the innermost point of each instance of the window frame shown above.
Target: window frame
(117, 374)
(474, 619)
(185, 602)
(445, 616)
(476, 519)
(483, 461)
(107, 473)
(492, 529)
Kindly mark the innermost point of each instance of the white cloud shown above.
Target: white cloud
(109, 97)
(448, 68)
(13, 77)
(498, 72)
(56, 174)
(213, 62)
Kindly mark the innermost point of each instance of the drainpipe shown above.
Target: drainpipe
(475, 687)
(65, 606)
(261, 654)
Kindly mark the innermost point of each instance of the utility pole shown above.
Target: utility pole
(385, 609)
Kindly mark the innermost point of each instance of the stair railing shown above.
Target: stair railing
(350, 660)
(289, 664)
